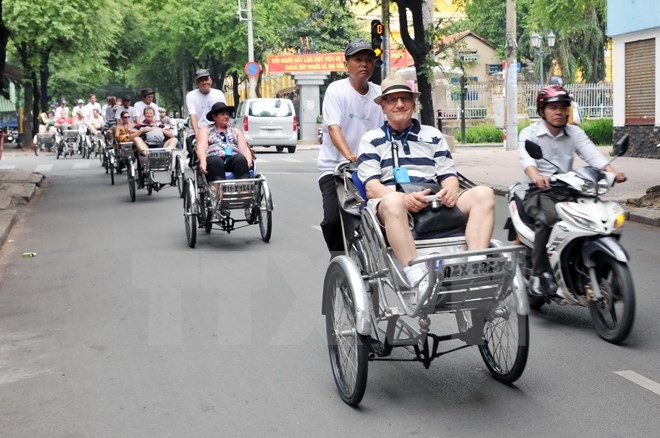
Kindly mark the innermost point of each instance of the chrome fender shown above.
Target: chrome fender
(362, 316)
(267, 194)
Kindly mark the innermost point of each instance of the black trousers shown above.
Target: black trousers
(331, 224)
(540, 204)
(217, 166)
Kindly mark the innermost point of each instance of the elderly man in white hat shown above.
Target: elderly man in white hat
(422, 157)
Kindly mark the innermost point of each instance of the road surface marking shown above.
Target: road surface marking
(291, 160)
(640, 380)
(43, 168)
(81, 165)
(261, 160)
(317, 227)
(7, 166)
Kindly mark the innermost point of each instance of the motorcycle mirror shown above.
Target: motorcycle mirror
(621, 146)
(533, 150)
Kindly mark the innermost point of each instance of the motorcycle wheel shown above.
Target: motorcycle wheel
(613, 316)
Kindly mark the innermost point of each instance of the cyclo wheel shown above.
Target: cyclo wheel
(111, 168)
(265, 216)
(506, 338)
(613, 316)
(179, 175)
(130, 172)
(347, 348)
(189, 215)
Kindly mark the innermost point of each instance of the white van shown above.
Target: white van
(268, 122)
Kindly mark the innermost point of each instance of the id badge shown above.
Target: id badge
(228, 151)
(401, 175)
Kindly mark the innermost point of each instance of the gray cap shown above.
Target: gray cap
(202, 73)
(357, 46)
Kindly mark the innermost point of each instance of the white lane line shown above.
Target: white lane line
(43, 168)
(261, 160)
(640, 380)
(290, 160)
(81, 165)
(7, 166)
(317, 227)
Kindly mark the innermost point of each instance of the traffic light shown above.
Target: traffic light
(377, 31)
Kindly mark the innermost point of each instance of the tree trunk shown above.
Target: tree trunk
(420, 49)
(234, 88)
(4, 38)
(44, 74)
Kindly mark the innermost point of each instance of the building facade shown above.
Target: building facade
(634, 27)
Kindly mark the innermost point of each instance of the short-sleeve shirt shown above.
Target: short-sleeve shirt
(200, 104)
(139, 110)
(219, 140)
(354, 113)
(422, 150)
(121, 109)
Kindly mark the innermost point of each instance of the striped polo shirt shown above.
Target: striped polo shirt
(422, 150)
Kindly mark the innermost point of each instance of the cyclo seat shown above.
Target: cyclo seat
(452, 219)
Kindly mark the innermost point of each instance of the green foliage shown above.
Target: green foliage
(600, 131)
(481, 134)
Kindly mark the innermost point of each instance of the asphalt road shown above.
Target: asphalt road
(117, 328)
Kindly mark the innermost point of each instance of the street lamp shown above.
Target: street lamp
(537, 43)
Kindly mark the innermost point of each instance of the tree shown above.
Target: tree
(44, 29)
(579, 26)
(420, 49)
(4, 38)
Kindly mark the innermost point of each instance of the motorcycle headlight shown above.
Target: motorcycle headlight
(619, 221)
(589, 188)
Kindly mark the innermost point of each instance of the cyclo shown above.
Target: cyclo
(141, 170)
(367, 315)
(209, 204)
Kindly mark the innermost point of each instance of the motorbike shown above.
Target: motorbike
(319, 135)
(588, 261)
(11, 135)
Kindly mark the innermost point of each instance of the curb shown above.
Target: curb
(7, 220)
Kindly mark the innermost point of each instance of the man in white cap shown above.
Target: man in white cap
(199, 103)
(348, 112)
(423, 152)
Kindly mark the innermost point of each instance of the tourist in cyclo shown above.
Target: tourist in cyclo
(423, 153)
(151, 134)
(222, 149)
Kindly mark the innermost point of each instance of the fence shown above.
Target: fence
(595, 100)
(477, 99)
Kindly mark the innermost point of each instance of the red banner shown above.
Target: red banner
(320, 62)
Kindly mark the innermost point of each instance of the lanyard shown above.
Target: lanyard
(400, 173)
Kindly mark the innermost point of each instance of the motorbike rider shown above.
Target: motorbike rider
(560, 142)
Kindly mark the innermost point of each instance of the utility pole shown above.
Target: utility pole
(385, 18)
(511, 87)
(250, 42)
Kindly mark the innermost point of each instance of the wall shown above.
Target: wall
(625, 16)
